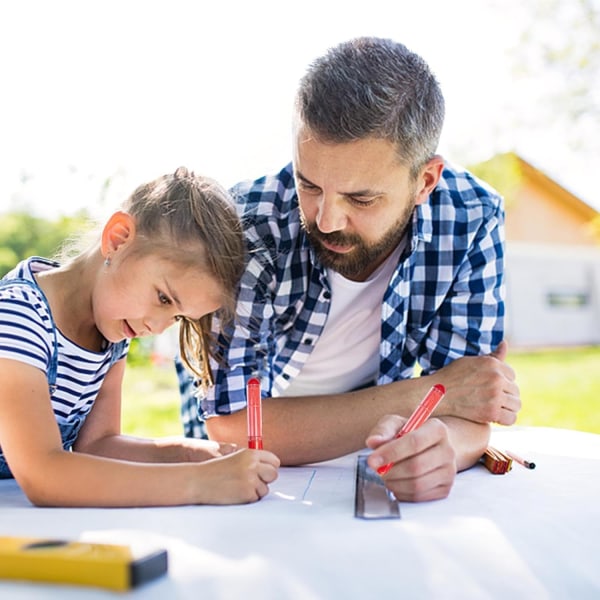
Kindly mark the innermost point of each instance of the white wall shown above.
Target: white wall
(553, 295)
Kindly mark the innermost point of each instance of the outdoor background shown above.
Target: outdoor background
(101, 96)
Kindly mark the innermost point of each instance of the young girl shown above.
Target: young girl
(174, 253)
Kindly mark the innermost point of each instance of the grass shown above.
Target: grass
(559, 388)
(151, 401)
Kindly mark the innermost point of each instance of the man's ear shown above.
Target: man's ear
(119, 230)
(429, 177)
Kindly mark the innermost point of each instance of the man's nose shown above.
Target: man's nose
(331, 215)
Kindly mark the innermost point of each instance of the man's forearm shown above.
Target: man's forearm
(300, 430)
(479, 390)
(468, 439)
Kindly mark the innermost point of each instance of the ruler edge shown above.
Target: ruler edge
(359, 500)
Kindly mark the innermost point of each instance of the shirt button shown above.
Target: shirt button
(326, 295)
(308, 341)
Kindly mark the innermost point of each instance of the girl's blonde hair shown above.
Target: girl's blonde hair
(191, 221)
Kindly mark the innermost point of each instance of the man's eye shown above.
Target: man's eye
(308, 187)
(361, 200)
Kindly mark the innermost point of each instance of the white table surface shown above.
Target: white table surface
(530, 534)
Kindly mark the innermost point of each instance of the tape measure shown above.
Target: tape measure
(372, 500)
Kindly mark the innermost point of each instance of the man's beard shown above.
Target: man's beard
(363, 258)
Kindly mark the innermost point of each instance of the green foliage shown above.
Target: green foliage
(503, 172)
(23, 235)
(151, 401)
(140, 351)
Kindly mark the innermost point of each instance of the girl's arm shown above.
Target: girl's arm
(51, 476)
(101, 433)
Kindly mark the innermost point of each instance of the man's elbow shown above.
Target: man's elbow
(228, 428)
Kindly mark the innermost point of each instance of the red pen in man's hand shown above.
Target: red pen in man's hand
(254, 410)
(419, 416)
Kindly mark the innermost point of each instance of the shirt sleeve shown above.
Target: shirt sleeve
(470, 319)
(25, 333)
(246, 343)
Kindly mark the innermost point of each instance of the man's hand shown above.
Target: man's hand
(480, 388)
(424, 461)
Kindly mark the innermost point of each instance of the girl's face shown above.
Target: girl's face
(136, 296)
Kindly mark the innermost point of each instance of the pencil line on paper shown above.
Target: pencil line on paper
(310, 480)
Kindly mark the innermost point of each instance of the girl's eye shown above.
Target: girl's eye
(163, 299)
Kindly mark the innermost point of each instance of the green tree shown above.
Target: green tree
(558, 61)
(503, 172)
(23, 235)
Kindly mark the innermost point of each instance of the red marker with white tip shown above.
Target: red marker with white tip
(419, 416)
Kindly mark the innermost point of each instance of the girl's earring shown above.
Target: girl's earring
(107, 261)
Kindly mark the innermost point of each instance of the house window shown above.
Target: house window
(567, 299)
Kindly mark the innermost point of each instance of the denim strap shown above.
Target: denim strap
(53, 366)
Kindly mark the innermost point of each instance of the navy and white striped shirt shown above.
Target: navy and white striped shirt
(445, 298)
(27, 334)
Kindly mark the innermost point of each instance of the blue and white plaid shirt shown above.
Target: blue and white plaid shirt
(445, 299)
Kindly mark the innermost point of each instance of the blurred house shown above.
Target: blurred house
(552, 257)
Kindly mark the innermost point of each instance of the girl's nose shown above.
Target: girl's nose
(157, 324)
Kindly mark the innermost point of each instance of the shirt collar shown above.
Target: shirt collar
(422, 223)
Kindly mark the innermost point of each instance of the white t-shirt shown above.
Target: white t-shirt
(346, 355)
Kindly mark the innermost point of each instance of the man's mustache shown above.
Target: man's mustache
(335, 237)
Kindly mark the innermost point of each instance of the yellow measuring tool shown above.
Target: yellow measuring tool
(111, 566)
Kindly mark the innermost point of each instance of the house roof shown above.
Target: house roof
(538, 208)
(556, 190)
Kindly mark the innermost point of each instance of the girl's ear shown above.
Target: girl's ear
(119, 230)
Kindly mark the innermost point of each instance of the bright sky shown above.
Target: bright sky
(130, 90)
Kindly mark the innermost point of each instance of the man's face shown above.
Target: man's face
(356, 201)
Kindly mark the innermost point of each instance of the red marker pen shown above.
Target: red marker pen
(421, 414)
(254, 410)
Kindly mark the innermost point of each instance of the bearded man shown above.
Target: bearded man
(369, 256)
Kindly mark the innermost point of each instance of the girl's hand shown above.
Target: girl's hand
(201, 450)
(237, 478)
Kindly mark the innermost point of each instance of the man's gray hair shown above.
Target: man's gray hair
(372, 87)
